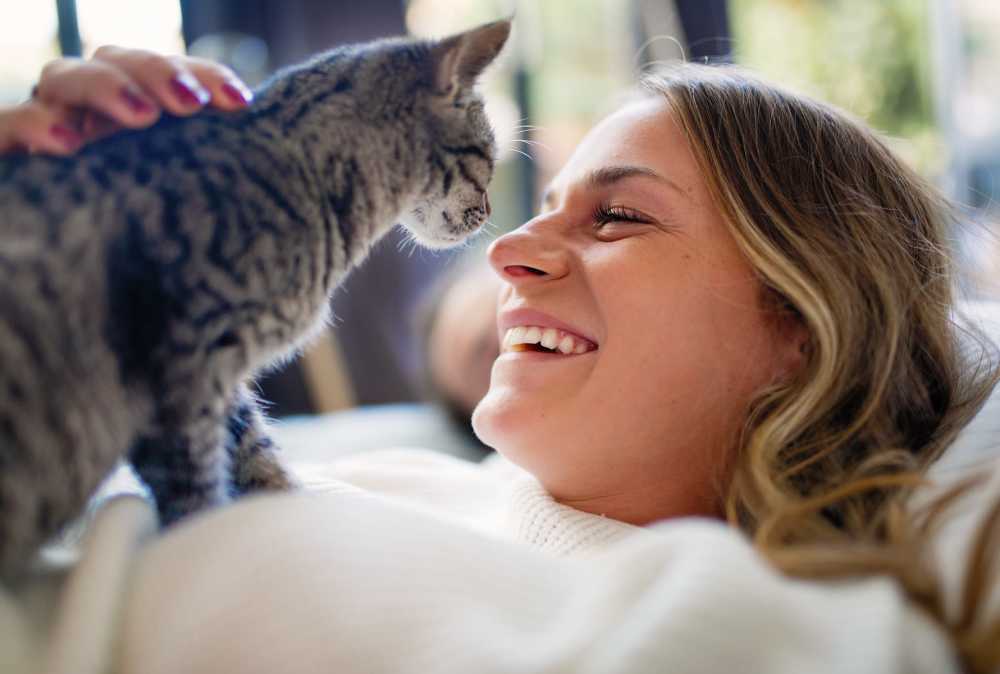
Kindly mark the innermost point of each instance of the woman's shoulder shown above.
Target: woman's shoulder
(436, 483)
(711, 573)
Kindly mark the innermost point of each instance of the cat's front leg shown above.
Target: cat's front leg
(183, 461)
(253, 460)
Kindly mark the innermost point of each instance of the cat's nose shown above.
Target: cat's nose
(486, 204)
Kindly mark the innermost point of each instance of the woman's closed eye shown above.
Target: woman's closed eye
(610, 218)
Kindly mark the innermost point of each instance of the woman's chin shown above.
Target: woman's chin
(501, 418)
(484, 423)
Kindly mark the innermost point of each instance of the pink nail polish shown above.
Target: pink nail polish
(136, 102)
(237, 94)
(189, 91)
(65, 135)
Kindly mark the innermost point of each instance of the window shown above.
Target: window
(923, 73)
(150, 24)
(29, 34)
(28, 39)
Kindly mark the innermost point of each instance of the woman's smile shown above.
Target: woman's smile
(528, 329)
(526, 369)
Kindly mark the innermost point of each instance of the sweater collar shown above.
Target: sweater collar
(535, 518)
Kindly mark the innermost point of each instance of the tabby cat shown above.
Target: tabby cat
(144, 281)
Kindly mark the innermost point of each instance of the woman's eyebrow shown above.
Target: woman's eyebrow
(609, 175)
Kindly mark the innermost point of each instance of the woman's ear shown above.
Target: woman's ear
(792, 337)
(793, 344)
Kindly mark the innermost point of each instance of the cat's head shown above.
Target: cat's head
(456, 154)
(411, 106)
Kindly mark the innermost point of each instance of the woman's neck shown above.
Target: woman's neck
(642, 504)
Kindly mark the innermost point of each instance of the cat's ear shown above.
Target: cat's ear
(460, 59)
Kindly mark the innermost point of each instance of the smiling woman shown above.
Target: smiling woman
(769, 310)
(631, 251)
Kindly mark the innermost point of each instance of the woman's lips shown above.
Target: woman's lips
(540, 355)
(525, 317)
(536, 338)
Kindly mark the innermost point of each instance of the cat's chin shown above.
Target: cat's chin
(437, 237)
(439, 242)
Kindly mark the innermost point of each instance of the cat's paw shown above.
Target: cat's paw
(262, 472)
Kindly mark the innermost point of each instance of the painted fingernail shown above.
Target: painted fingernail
(136, 101)
(238, 93)
(189, 90)
(65, 135)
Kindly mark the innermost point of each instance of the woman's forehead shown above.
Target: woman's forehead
(639, 139)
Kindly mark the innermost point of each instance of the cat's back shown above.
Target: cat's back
(49, 241)
(38, 187)
(48, 204)
(62, 219)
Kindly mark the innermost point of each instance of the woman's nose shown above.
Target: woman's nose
(532, 252)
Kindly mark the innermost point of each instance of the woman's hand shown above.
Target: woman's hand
(78, 101)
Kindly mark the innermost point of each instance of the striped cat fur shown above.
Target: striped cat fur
(146, 280)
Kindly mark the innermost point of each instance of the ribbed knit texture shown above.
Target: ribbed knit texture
(496, 497)
(535, 518)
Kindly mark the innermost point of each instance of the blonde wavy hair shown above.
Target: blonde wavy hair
(854, 244)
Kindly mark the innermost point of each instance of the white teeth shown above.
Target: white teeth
(550, 338)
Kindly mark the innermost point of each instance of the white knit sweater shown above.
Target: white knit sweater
(495, 497)
(414, 562)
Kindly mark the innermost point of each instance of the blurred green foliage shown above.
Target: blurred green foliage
(870, 57)
(581, 51)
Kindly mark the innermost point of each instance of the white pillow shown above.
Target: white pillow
(976, 448)
(979, 441)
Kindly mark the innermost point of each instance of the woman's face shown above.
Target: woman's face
(630, 258)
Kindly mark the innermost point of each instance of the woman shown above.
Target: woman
(747, 302)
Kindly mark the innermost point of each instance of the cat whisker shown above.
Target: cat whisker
(531, 142)
(409, 245)
(408, 240)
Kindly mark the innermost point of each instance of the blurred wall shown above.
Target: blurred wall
(294, 29)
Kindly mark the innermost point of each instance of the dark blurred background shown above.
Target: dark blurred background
(922, 72)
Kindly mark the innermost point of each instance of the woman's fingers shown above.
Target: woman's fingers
(78, 101)
(35, 127)
(228, 91)
(97, 86)
(181, 84)
(165, 81)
